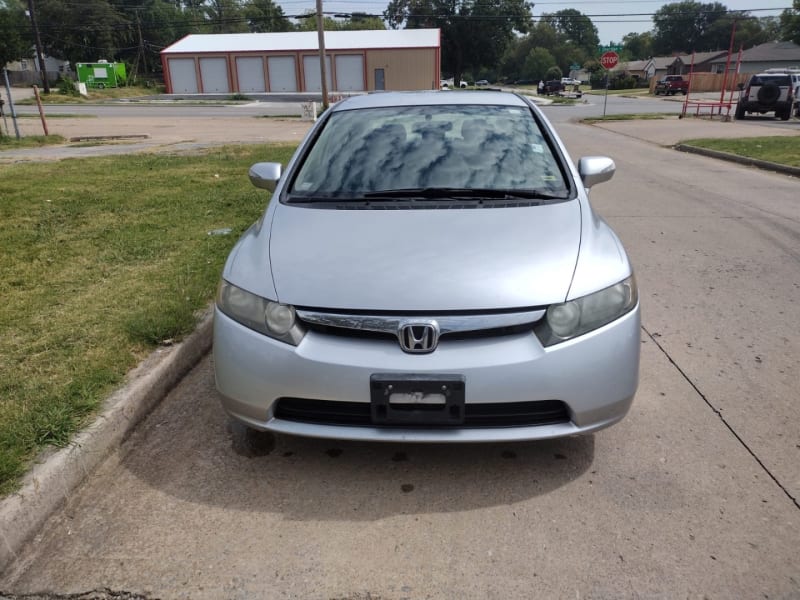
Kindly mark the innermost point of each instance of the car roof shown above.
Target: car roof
(428, 98)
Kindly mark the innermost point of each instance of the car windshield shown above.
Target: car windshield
(458, 150)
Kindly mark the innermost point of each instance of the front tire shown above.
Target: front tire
(739, 112)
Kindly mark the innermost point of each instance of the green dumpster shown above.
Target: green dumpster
(101, 74)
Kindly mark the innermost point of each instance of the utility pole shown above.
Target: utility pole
(39, 53)
(140, 54)
(322, 67)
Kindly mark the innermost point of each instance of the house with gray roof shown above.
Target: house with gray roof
(772, 55)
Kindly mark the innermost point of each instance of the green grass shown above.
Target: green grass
(10, 142)
(631, 117)
(94, 96)
(100, 264)
(784, 150)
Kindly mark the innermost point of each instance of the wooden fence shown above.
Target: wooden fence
(711, 82)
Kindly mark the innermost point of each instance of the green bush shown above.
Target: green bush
(66, 87)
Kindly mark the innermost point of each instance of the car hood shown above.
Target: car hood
(424, 260)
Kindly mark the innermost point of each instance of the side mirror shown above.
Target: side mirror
(265, 175)
(740, 86)
(595, 169)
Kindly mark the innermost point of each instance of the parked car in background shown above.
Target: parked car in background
(570, 81)
(768, 92)
(671, 85)
(429, 269)
(482, 82)
(554, 86)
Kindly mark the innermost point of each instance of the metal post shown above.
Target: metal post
(727, 65)
(605, 98)
(322, 69)
(11, 103)
(41, 110)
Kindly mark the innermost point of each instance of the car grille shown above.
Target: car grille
(455, 335)
(452, 326)
(495, 414)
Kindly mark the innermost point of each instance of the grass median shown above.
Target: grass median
(8, 142)
(631, 117)
(93, 95)
(783, 150)
(104, 259)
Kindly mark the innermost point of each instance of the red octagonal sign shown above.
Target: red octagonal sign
(609, 60)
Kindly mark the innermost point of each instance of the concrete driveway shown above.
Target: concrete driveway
(694, 494)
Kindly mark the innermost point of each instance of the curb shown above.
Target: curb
(93, 138)
(51, 482)
(742, 160)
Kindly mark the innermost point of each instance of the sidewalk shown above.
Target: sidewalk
(17, 93)
(154, 134)
(672, 131)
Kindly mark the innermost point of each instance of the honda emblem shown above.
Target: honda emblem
(418, 337)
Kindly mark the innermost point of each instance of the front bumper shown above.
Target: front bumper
(595, 375)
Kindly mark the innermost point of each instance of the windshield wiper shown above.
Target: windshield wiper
(451, 193)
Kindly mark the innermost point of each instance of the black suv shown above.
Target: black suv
(767, 92)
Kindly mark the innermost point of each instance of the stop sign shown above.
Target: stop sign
(609, 60)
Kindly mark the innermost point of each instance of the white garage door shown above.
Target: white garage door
(312, 75)
(350, 73)
(251, 74)
(182, 75)
(214, 73)
(282, 74)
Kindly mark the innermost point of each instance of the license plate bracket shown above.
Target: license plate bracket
(409, 399)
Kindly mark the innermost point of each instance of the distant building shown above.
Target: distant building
(704, 61)
(26, 70)
(641, 69)
(357, 61)
(771, 55)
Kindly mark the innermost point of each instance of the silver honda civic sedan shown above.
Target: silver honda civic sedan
(429, 269)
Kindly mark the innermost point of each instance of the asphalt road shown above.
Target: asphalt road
(694, 494)
(590, 105)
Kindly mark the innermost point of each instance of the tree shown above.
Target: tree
(549, 35)
(475, 33)
(80, 32)
(148, 27)
(15, 33)
(684, 26)
(638, 46)
(265, 16)
(553, 73)
(538, 62)
(790, 23)
(749, 31)
(349, 22)
(225, 16)
(574, 28)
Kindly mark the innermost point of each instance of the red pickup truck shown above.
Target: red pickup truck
(671, 85)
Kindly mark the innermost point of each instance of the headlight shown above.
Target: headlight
(276, 320)
(582, 315)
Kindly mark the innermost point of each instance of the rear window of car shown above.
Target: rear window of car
(765, 79)
(372, 150)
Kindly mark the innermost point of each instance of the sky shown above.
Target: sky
(611, 28)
